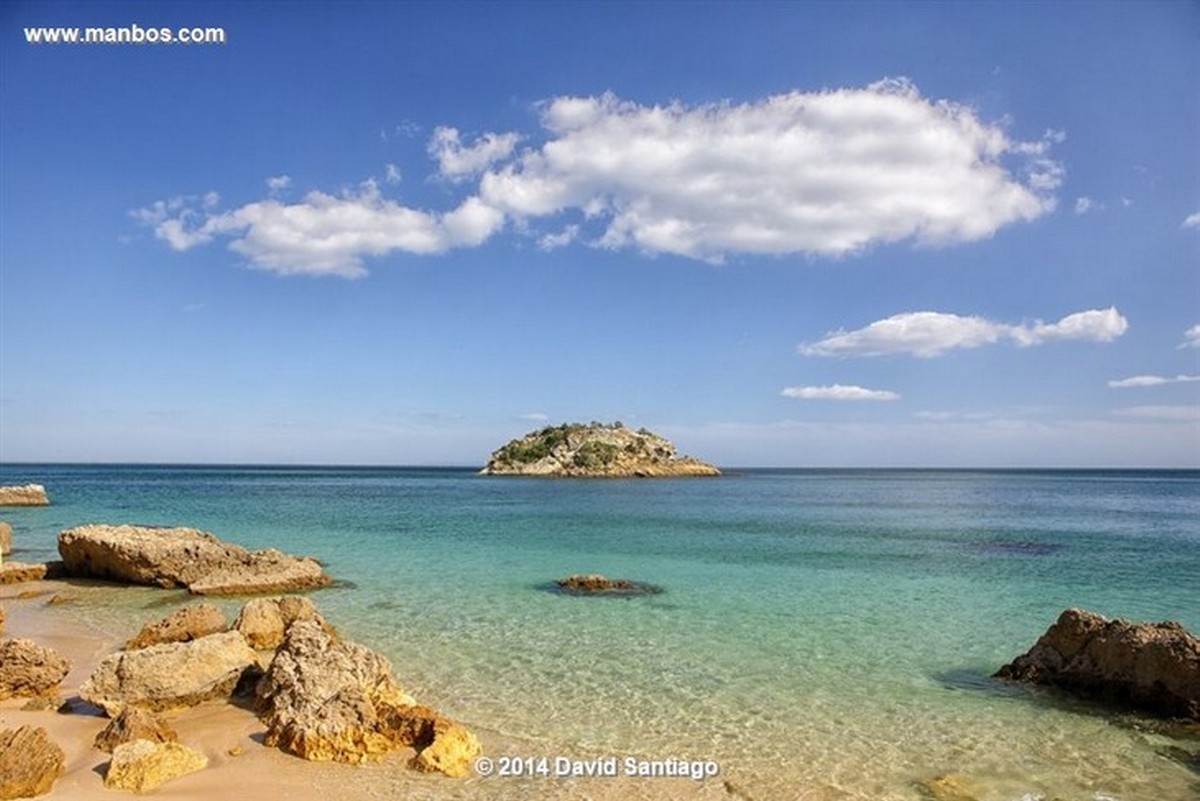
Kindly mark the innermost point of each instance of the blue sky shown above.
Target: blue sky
(800, 234)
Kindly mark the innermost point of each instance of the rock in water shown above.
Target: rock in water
(29, 762)
(27, 495)
(183, 557)
(5, 539)
(264, 622)
(596, 584)
(183, 625)
(133, 724)
(20, 572)
(171, 675)
(328, 699)
(595, 450)
(27, 670)
(1154, 667)
(142, 765)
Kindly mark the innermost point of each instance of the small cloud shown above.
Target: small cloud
(457, 161)
(559, 240)
(1180, 413)
(192, 308)
(839, 392)
(278, 183)
(392, 174)
(1191, 337)
(930, 334)
(534, 417)
(1192, 220)
(1152, 381)
(1085, 205)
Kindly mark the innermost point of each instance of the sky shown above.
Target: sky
(805, 234)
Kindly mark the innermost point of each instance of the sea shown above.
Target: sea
(825, 634)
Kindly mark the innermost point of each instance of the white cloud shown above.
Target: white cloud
(929, 334)
(458, 162)
(1191, 337)
(826, 173)
(563, 238)
(1192, 221)
(278, 183)
(839, 392)
(392, 174)
(327, 234)
(1152, 381)
(1084, 205)
(1178, 413)
(534, 417)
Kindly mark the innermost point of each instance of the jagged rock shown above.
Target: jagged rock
(30, 762)
(142, 765)
(183, 625)
(21, 572)
(576, 450)
(328, 699)
(5, 539)
(1154, 667)
(133, 724)
(264, 622)
(28, 670)
(183, 557)
(27, 495)
(170, 675)
(596, 584)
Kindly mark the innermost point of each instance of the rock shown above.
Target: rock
(20, 572)
(184, 625)
(60, 598)
(595, 584)
(133, 724)
(950, 788)
(321, 697)
(5, 539)
(2, 619)
(594, 450)
(265, 621)
(442, 745)
(1154, 667)
(183, 557)
(28, 670)
(142, 765)
(27, 495)
(171, 675)
(30, 762)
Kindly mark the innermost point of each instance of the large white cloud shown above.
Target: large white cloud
(839, 392)
(928, 334)
(825, 173)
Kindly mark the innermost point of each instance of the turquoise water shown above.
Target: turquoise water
(822, 634)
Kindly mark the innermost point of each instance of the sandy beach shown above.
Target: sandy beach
(231, 735)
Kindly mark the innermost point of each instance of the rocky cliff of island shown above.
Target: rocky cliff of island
(594, 450)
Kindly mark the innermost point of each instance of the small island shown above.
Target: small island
(575, 450)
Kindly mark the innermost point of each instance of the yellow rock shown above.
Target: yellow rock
(142, 765)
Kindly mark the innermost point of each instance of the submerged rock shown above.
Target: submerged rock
(27, 495)
(1154, 667)
(949, 787)
(142, 765)
(30, 762)
(183, 625)
(596, 584)
(264, 622)
(133, 724)
(327, 699)
(595, 450)
(29, 670)
(171, 675)
(183, 557)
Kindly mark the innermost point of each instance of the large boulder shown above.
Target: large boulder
(30, 762)
(183, 625)
(142, 765)
(133, 724)
(27, 495)
(324, 698)
(171, 675)
(1154, 667)
(28, 670)
(5, 539)
(264, 622)
(183, 557)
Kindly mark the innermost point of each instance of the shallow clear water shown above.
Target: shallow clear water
(820, 631)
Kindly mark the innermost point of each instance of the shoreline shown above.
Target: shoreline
(230, 735)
